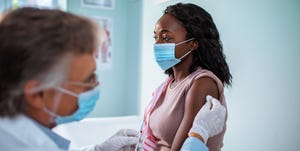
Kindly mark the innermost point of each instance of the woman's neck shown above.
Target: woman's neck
(182, 70)
(179, 75)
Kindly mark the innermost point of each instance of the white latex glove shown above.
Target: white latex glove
(210, 120)
(123, 140)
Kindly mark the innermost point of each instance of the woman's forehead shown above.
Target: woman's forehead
(168, 23)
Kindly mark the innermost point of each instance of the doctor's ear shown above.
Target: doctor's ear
(194, 45)
(33, 97)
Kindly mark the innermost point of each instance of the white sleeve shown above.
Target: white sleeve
(84, 148)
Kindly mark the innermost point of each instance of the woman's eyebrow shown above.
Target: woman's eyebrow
(161, 31)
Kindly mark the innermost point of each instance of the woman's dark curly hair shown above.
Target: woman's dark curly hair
(199, 25)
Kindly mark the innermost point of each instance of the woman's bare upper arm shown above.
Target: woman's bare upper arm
(195, 99)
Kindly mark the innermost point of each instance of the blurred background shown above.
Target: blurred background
(261, 43)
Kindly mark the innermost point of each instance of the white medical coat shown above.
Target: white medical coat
(22, 134)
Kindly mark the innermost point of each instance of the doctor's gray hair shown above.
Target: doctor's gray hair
(35, 45)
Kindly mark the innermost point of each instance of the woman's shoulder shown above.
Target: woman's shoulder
(206, 76)
(205, 79)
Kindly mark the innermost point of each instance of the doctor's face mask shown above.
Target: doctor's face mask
(86, 102)
(165, 54)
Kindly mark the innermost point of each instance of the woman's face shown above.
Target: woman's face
(170, 30)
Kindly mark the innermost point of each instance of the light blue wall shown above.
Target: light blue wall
(119, 85)
(4, 5)
(261, 41)
(132, 69)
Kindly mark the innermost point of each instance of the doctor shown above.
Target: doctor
(47, 65)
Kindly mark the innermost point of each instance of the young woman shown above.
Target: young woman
(189, 50)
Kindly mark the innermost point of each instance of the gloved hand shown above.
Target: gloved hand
(123, 140)
(210, 120)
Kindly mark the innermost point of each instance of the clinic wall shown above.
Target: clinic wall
(119, 85)
(4, 5)
(133, 53)
(261, 42)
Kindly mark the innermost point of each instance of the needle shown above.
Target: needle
(140, 136)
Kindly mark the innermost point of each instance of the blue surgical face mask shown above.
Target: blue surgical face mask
(86, 103)
(165, 54)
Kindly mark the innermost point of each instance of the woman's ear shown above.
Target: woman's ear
(33, 96)
(194, 45)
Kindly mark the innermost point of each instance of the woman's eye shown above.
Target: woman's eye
(166, 38)
(162, 38)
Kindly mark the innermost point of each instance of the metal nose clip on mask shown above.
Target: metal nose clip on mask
(165, 54)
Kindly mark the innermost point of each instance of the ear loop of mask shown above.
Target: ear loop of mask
(188, 51)
(67, 91)
(185, 54)
(57, 99)
(184, 41)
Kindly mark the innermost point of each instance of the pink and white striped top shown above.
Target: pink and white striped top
(165, 112)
